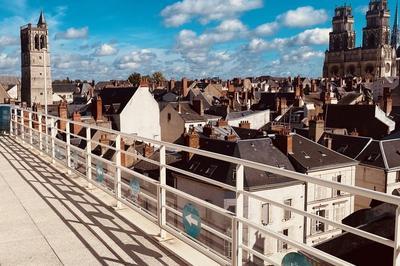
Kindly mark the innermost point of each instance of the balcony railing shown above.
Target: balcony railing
(160, 203)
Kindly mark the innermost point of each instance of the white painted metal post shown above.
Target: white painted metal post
(52, 139)
(117, 179)
(396, 251)
(46, 134)
(11, 122)
(234, 242)
(88, 157)
(22, 126)
(68, 145)
(239, 213)
(16, 122)
(40, 134)
(30, 130)
(162, 214)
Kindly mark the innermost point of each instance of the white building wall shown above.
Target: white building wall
(257, 119)
(275, 219)
(322, 199)
(141, 116)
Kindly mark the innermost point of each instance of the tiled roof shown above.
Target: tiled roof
(351, 146)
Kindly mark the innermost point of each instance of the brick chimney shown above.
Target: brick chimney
(148, 150)
(244, 124)
(192, 140)
(316, 129)
(171, 85)
(387, 101)
(284, 142)
(76, 117)
(283, 106)
(185, 87)
(354, 133)
(231, 137)
(222, 123)
(62, 113)
(198, 106)
(99, 109)
(314, 87)
(208, 131)
(105, 141)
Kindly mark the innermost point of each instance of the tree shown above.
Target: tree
(158, 78)
(135, 79)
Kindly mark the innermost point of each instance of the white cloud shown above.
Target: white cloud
(205, 11)
(105, 50)
(316, 36)
(8, 62)
(267, 29)
(5, 40)
(136, 60)
(73, 33)
(303, 17)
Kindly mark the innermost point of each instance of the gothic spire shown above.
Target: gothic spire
(395, 32)
(42, 20)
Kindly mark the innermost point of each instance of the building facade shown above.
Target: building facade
(35, 63)
(377, 55)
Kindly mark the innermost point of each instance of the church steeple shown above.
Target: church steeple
(395, 31)
(42, 20)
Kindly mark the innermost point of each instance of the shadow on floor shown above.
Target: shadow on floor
(85, 208)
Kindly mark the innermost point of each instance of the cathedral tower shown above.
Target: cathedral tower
(343, 35)
(377, 31)
(35, 63)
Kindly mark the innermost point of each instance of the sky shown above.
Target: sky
(103, 40)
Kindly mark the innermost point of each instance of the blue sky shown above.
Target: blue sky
(104, 40)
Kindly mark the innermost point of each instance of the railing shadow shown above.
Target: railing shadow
(76, 199)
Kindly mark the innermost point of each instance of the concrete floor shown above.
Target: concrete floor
(47, 218)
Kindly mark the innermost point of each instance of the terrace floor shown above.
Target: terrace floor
(49, 218)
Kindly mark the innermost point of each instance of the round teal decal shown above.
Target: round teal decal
(295, 259)
(99, 172)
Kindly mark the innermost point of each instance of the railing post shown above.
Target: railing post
(162, 215)
(396, 251)
(46, 134)
(30, 130)
(68, 146)
(22, 126)
(88, 157)
(11, 122)
(16, 122)
(234, 243)
(239, 213)
(52, 139)
(40, 133)
(117, 179)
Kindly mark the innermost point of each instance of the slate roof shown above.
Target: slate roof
(115, 99)
(309, 156)
(350, 146)
(187, 113)
(260, 150)
(382, 154)
(361, 251)
(268, 99)
(64, 87)
(245, 133)
(350, 98)
(361, 117)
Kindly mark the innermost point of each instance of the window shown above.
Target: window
(398, 176)
(234, 175)
(337, 192)
(282, 246)
(169, 117)
(265, 213)
(339, 211)
(286, 213)
(210, 170)
(320, 192)
(318, 226)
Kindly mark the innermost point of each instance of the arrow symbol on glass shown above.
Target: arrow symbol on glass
(191, 220)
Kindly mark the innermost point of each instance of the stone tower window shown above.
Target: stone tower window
(43, 43)
(37, 42)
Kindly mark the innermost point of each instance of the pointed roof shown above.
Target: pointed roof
(395, 32)
(42, 20)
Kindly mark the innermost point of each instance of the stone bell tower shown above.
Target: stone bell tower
(35, 63)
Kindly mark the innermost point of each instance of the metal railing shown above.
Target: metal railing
(73, 144)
